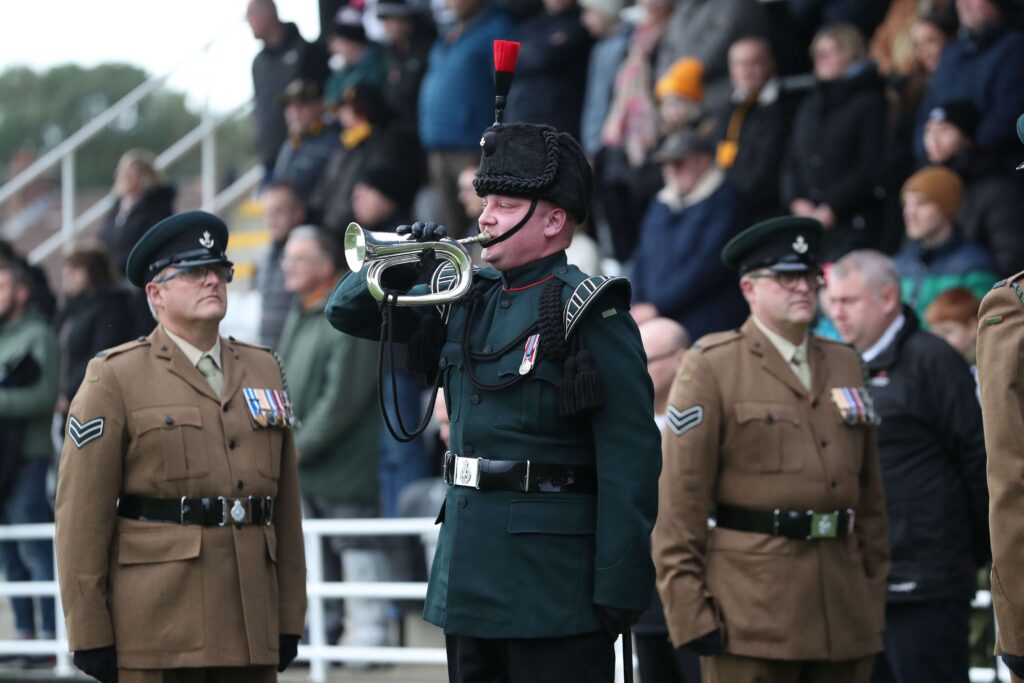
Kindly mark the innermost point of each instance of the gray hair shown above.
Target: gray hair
(876, 268)
(326, 244)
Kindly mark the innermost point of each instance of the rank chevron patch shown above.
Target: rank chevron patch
(84, 432)
(682, 421)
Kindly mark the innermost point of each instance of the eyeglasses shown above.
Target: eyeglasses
(790, 281)
(196, 275)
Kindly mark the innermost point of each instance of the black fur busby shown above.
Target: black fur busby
(536, 162)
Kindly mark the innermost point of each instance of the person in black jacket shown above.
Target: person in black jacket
(834, 158)
(552, 70)
(932, 453)
(285, 56)
(754, 127)
(91, 318)
(142, 200)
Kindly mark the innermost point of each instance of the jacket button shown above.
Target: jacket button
(462, 502)
(231, 444)
(824, 443)
(487, 348)
(563, 270)
(814, 403)
(168, 420)
(833, 483)
(443, 363)
(474, 399)
(505, 303)
(468, 450)
(240, 484)
(771, 418)
(225, 407)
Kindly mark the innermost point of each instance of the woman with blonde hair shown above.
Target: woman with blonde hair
(141, 200)
(834, 161)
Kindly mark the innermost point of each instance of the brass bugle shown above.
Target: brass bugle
(378, 251)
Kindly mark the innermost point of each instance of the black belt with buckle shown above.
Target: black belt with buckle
(219, 511)
(518, 475)
(799, 524)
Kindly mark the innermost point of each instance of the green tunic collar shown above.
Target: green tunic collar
(533, 272)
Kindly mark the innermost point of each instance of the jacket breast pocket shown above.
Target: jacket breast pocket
(535, 408)
(268, 444)
(176, 433)
(156, 590)
(768, 438)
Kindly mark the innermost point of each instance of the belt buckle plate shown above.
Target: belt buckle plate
(467, 471)
(824, 525)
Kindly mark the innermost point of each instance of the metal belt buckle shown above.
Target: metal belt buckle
(268, 511)
(824, 524)
(223, 510)
(467, 471)
(238, 511)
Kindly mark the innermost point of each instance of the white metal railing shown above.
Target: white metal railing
(63, 155)
(318, 653)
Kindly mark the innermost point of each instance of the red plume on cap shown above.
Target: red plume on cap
(506, 52)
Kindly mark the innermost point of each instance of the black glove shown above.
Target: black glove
(100, 663)
(1013, 663)
(707, 645)
(615, 620)
(287, 649)
(423, 232)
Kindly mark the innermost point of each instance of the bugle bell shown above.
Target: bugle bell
(378, 251)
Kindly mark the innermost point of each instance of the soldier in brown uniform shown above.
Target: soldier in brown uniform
(769, 427)
(1001, 378)
(179, 537)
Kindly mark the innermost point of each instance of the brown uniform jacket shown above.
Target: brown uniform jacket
(170, 595)
(1001, 379)
(762, 442)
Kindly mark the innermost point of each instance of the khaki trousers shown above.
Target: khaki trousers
(234, 674)
(733, 669)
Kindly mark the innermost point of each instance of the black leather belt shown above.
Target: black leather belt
(800, 524)
(219, 511)
(518, 475)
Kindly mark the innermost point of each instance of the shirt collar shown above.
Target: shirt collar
(885, 340)
(769, 93)
(786, 348)
(193, 354)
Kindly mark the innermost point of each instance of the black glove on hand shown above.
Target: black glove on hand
(1013, 663)
(615, 620)
(707, 645)
(287, 649)
(100, 663)
(423, 232)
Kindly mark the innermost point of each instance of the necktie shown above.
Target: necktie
(209, 370)
(801, 367)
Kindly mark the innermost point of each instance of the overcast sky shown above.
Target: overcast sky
(156, 35)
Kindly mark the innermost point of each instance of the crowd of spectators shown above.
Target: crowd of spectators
(892, 123)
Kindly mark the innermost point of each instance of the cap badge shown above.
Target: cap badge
(800, 246)
(483, 142)
(206, 240)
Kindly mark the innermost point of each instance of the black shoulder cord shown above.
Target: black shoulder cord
(402, 434)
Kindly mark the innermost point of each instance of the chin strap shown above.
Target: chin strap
(515, 228)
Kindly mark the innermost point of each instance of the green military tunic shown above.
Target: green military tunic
(530, 565)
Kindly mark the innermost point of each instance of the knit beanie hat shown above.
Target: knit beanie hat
(939, 185)
(609, 8)
(684, 79)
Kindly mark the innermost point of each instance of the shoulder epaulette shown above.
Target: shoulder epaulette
(250, 345)
(586, 293)
(121, 348)
(710, 341)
